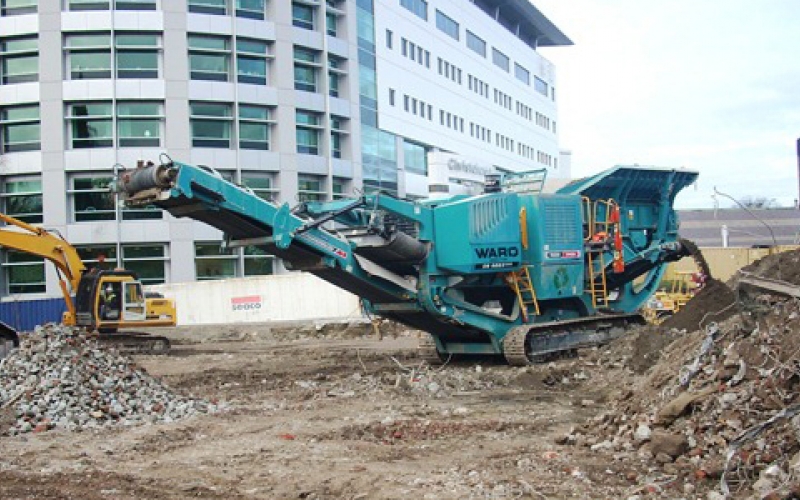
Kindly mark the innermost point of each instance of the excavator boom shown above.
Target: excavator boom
(49, 245)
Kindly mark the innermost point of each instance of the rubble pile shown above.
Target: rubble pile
(720, 409)
(60, 379)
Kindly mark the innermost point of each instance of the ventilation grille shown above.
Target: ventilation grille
(559, 222)
(487, 215)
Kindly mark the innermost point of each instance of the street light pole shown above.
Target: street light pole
(117, 214)
(797, 201)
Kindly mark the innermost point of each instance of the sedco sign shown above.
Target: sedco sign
(247, 303)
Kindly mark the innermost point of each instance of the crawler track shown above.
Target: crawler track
(136, 342)
(539, 343)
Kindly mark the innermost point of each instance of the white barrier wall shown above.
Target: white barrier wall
(258, 299)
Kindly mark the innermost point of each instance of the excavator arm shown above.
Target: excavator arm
(32, 240)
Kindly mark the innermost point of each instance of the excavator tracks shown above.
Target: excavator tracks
(136, 342)
(530, 344)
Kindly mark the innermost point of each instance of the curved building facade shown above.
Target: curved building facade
(297, 100)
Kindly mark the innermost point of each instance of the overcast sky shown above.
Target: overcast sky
(709, 85)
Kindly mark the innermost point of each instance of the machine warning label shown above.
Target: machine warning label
(566, 254)
(248, 303)
(496, 265)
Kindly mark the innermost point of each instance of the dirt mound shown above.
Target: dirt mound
(714, 302)
(784, 266)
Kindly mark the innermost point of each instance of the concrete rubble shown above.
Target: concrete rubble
(720, 409)
(60, 379)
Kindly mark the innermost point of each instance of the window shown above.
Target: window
(89, 56)
(135, 4)
(331, 22)
(418, 7)
(147, 261)
(137, 55)
(310, 187)
(540, 86)
(209, 57)
(24, 273)
(338, 133)
(20, 129)
(139, 124)
(17, 7)
(219, 7)
(142, 213)
(257, 262)
(88, 5)
(21, 198)
(447, 25)
(251, 61)
(212, 262)
(305, 69)
(336, 73)
(254, 126)
(338, 188)
(476, 44)
(251, 9)
(303, 16)
(103, 256)
(92, 199)
(389, 39)
(211, 124)
(415, 158)
(90, 125)
(261, 184)
(499, 59)
(522, 74)
(19, 60)
(307, 131)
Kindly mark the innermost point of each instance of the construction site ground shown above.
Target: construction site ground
(333, 413)
(705, 406)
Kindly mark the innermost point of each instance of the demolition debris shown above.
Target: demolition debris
(60, 379)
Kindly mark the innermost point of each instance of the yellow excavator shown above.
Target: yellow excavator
(99, 300)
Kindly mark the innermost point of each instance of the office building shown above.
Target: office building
(297, 100)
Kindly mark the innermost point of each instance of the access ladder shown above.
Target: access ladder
(520, 282)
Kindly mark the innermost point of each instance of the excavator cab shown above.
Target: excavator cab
(108, 300)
